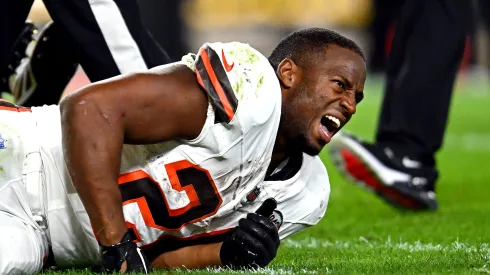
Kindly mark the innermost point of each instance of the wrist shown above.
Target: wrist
(124, 256)
(110, 238)
(112, 233)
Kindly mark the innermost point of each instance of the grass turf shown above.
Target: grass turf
(362, 235)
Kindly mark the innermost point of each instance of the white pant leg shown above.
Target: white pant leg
(23, 244)
(16, 171)
(23, 249)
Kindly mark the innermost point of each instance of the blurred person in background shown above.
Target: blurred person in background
(106, 37)
(426, 52)
(383, 24)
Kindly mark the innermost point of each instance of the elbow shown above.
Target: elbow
(77, 106)
(90, 110)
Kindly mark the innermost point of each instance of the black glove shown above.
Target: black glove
(254, 242)
(114, 256)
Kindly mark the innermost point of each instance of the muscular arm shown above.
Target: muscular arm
(163, 104)
(190, 257)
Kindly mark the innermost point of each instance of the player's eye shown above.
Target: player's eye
(340, 83)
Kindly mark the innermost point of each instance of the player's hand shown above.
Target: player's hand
(254, 242)
(124, 257)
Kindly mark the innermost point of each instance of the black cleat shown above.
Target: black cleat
(48, 66)
(402, 182)
(18, 54)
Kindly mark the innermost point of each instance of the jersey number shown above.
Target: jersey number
(204, 199)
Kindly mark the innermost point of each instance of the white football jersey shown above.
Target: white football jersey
(188, 192)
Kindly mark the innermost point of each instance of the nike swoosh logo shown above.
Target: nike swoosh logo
(228, 67)
(410, 163)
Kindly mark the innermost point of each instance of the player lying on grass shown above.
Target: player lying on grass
(167, 166)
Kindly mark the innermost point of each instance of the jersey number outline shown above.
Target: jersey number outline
(196, 182)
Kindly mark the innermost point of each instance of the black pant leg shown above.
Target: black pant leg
(385, 15)
(164, 21)
(13, 14)
(425, 56)
(108, 36)
(483, 7)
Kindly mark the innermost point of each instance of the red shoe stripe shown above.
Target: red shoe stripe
(356, 168)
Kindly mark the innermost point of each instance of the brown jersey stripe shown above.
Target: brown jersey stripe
(212, 77)
(219, 70)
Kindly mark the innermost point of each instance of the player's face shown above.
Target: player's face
(323, 99)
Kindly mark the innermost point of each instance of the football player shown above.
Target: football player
(167, 167)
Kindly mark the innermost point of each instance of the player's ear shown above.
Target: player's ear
(287, 72)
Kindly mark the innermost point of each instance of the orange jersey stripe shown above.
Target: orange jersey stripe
(131, 176)
(9, 106)
(13, 109)
(216, 84)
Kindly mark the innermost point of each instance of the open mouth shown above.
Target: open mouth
(330, 125)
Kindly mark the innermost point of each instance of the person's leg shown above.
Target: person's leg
(23, 250)
(483, 7)
(108, 36)
(49, 66)
(13, 15)
(24, 247)
(163, 18)
(425, 56)
(385, 13)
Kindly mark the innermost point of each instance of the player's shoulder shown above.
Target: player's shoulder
(235, 76)
(236, 56)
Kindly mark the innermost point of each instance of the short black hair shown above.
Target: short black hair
(301, 44)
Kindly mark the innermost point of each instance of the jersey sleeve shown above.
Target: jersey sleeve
(238, 80)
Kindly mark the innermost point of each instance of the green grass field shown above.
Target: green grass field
(361, 235)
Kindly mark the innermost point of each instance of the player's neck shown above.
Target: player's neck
(279, 154)
(276, 160)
